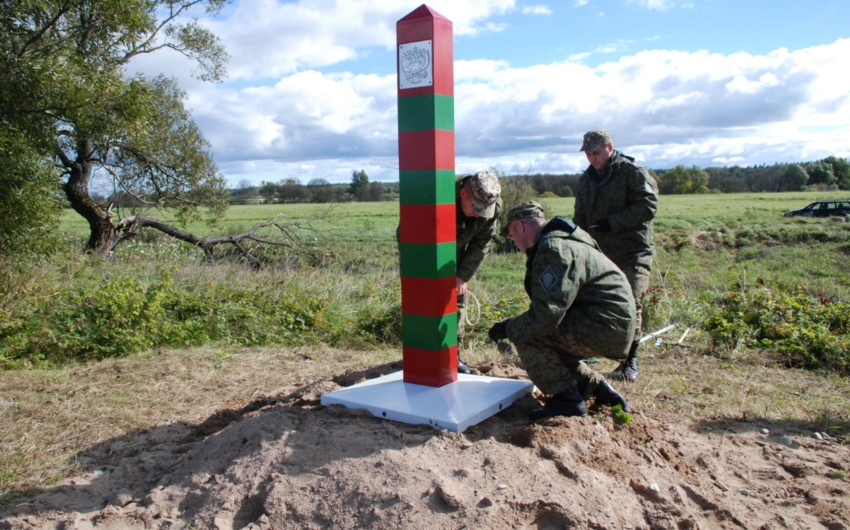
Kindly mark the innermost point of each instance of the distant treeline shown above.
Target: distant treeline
(831, 173)
(318, 190)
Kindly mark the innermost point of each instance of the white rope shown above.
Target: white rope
(477, 309)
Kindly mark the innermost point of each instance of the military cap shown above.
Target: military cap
(523, 210)
(593, 140)
(485, 190)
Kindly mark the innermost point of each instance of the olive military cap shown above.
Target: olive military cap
(523, 210)
(593, 140)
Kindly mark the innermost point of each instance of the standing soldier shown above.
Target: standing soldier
(616, 201)
(581, 307)
(478, 208)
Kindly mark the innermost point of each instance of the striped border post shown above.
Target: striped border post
(426, 160)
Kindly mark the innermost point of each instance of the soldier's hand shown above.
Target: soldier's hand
(601, 225)
(498, 332)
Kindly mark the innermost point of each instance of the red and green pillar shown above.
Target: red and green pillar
(426, 153)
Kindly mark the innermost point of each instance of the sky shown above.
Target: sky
(311, 86)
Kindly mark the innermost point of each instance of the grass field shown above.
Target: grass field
(688, 208)
(99, 355)
(707, 245)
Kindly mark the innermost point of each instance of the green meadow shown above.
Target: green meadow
(730, 268)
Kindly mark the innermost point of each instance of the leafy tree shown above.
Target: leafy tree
(321, 190)
(681, 180)
(764, 177)
(674, 181)
(245, 193)
(821, 173)
(359, 185)
(292, 191)
(28, 184)
(841, 170)
(794, 178)
(269, 191)
(63, 86)
(376, 191)
(726, 179)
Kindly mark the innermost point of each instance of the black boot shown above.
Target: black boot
(462, 367)
(628, 369)
(606, 395)
(566, 403)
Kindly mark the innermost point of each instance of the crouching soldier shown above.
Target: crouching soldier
(581, 307)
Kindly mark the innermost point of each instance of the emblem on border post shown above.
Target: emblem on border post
(415, 66)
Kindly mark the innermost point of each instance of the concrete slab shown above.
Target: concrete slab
(454, 407)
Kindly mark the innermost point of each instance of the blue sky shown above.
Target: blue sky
(311, 86)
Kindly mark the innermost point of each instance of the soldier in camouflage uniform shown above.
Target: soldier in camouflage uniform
(581, 307)
(478, 208)
(616, 201)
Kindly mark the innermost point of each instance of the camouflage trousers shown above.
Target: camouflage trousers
(555, 364)
(638, 277)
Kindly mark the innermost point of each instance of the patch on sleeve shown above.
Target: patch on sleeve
(548, 280)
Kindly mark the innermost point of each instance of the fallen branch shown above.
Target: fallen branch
(129, 227)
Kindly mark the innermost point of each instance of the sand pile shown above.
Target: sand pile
(286, 462)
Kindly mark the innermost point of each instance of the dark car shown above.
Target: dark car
(822, 209)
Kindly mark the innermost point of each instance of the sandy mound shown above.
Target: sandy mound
(286, 462)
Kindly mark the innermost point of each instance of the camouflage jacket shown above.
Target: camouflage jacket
(627, 196)
(473, 237)
(574, 287)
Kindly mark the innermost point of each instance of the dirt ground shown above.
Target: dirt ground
(284, 461)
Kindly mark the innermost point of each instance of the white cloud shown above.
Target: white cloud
(742, 85)
(616, 46)
(282, 116)
(660, 5)
(540, 9)
(666, 107)
(268, 39)
(579, 3)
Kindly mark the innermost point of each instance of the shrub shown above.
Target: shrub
(123, 315)
(381, 326)
(811, 331)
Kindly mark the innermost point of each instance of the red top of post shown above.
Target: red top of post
(423, 23)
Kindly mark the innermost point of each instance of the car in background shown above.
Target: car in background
(822, 209)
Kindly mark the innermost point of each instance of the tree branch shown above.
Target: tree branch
(52, 22)
(129, 227)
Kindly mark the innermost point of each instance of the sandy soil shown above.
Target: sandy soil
(284, 461)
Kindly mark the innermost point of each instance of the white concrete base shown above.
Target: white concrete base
(454, 407)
